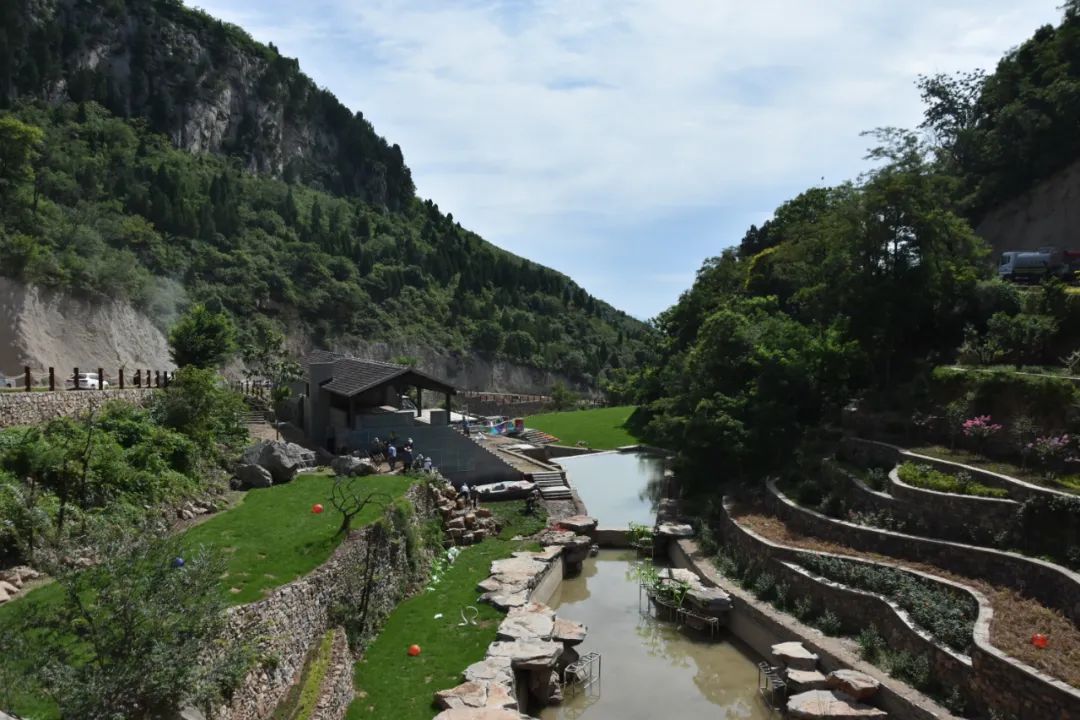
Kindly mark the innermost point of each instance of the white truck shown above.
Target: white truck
(1034, 266)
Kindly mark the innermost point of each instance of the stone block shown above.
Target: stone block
(829, 705)
(854, 683)
(793, 655)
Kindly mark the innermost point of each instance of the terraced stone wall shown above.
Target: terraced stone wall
(287, 623)
(1050, 584)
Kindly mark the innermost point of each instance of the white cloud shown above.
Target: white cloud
(560, 129)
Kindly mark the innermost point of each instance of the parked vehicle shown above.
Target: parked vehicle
(1025, 266)
(87, 381)
(6, 382)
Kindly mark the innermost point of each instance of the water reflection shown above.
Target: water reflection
(650, 669)
(617, 488)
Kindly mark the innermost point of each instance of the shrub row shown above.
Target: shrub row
(948, 616)
(926, 477)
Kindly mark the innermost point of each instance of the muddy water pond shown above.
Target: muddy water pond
(617, 488)
(650, 669)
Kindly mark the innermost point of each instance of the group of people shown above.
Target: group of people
(392, 450)
(472, 498)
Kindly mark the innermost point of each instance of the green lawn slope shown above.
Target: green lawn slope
(602, 428)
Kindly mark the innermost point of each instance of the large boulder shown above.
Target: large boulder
(282, 459)
(352, 466)
(252, 476)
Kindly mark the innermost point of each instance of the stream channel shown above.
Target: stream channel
(650, 668)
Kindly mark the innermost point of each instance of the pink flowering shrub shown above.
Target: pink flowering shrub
(1050, 449)
(981, 427)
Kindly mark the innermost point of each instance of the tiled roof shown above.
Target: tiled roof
(355, 375)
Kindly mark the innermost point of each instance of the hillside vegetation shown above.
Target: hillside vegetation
(860, 290)
(98, 196)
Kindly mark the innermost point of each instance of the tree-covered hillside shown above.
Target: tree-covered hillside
(289, 210)
(860, 290)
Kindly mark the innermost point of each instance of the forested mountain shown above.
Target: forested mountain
(152, 153)
(860, 290)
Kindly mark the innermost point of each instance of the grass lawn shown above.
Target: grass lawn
(602, 428)
(391, 684)
(1068, 483)
(272, 538)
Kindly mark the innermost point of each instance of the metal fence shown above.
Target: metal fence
(49, 380)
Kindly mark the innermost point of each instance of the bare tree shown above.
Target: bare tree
(349, 499)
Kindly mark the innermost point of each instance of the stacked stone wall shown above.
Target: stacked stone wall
(35, 408)
(292, 618)
(1054, 586)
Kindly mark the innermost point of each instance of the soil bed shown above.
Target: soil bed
(1016, 618)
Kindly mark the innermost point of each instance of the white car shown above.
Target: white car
(88, 381)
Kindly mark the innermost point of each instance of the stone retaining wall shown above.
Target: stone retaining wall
(939, 520)
(874, 452)
(989, 677)
(337, 690)
(35, 408)
(286, 624)
(986, 511)
(761, 626)
(1050, 584)
(857, 609)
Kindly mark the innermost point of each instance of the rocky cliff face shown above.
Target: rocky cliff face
(204, 83)
(43, 328)
(1048, 214)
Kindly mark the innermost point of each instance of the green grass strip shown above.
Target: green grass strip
(390, 684)
(601, 428)
(273, 537)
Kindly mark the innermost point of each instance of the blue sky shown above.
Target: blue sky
(624, 141)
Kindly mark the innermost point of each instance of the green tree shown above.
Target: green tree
(19, 146)
(148, 623)
(488, 337)
(562, 397)
(199, 405)
(202, 339)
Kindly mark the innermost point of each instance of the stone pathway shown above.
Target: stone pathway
(839, 695)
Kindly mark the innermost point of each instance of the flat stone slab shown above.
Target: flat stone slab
(566, 538)
(803, 680)
(829, 705)
(857, 684)
(674, 530)
(512, 569)
(506, 600)
(527, 654)
(467, 694)
(486, 713)
(712, 601)
(528, 622)
(490, 670)
(568, 632)
(681, 575)
(794, 656)
(582, 524)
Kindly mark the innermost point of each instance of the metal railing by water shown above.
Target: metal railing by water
(583, 675)
(772, 687)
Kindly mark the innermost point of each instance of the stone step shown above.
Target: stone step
(794, 656)
(802, 680)
(829, 705)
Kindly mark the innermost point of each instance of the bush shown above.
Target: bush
(829, 623)
(926, 477)
(1050, 525)
(804, 608)
(137, 634)
(948, 616)
(809, 494)
(198, 405)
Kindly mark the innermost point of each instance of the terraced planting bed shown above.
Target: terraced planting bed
(1068, 483)
(1016, 617)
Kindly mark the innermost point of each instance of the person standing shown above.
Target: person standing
(391, 455)
(465, 493)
